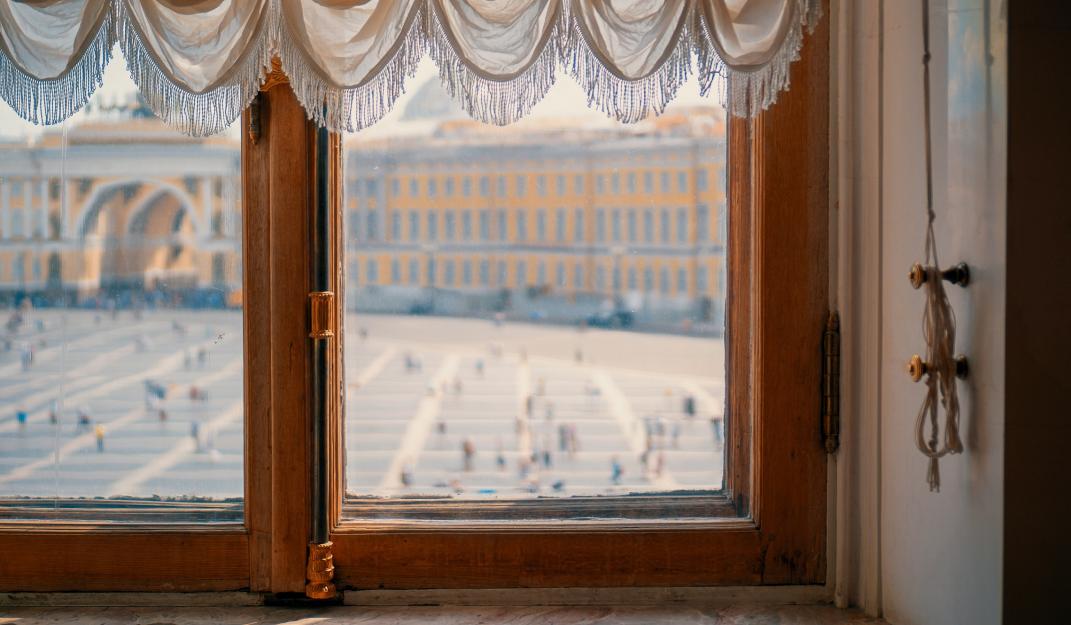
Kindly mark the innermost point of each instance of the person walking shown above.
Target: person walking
(22, 416)
(468, 450)
(616, 471)
(99, 433)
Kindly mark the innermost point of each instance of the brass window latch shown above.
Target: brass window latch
(321, 315)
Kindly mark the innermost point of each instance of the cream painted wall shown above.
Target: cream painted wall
(939, 555)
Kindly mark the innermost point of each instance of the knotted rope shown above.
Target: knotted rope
(938, 321)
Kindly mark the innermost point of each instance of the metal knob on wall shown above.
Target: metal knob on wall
(917, 368)
(959, 275)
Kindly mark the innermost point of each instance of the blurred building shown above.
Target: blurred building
(127, 205)
(549, 217)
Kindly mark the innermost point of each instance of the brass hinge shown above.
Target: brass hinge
(831, 383)
(321, 314)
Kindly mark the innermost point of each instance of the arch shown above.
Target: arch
(90, 209)
(138, 219)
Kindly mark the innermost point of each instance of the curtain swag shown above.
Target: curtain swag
(199, 63)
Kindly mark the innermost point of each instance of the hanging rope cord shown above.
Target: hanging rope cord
(938, 320)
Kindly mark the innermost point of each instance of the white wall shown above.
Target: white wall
(938, 558)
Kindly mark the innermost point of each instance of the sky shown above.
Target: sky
(566, 98)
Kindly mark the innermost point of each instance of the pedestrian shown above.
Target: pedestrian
(202, 356)
(468, 449)
(660, 464)
(548, 411)
(21, 416)
(563, 436)
(715, 424)
(99, 433)
(53, 412)
(83, 418)
(528, 401)
(406, 477)
(616, 470)
(187, 360)
(195, 434)
(546, 458)
(676, 434)
(689, 405)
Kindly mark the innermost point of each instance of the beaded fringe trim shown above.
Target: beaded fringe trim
(747, 93)
(50, 101)
(350, 109)
(198, 114)
(498, 102)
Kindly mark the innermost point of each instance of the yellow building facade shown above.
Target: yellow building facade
(603, 214)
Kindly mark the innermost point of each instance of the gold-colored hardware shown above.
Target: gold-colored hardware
(959, 275)
(322, 314)
(917, 368)
(320, 571)
(831, 383)
(254, 120)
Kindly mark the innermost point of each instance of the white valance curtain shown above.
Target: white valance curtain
(198, 63)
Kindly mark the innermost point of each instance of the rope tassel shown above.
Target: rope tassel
(938, 322)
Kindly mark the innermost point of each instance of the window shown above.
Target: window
(664, 225)
(682, 182)
(501, 186)
(522, 226)
(374, 383)
(485, 186)
(466, 186)
(632, 226)
(414, 187)
(520, 186)
(615, 218)
(600, 225)
(648, 279)
(503, 226)
(395, 271)
(414, 271)
(466, 272)
(449, 187)
(541, 225)
(396, 226)
(560, 225)
(561, 281)
(433, 226)
(701, 180)
(372, 231)
(485, 273)
(561, 184)
(578, 184)
(648, 182)
(414, 226)
(466, 225)
(648, 226)
(371, 271)
(682, 225)
(449, 225)
(632, 182)
(578, 225)
(433, 187)
(485, 225)
(124, 381)
(395, 187)
(702, 223)
(578, 277)
(541, 185)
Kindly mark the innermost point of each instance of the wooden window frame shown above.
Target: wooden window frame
(774, 528)
(267, 552)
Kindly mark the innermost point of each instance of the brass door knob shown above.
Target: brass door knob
(917, 367)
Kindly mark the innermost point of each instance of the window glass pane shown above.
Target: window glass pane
(571, 347)
(121, 357)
